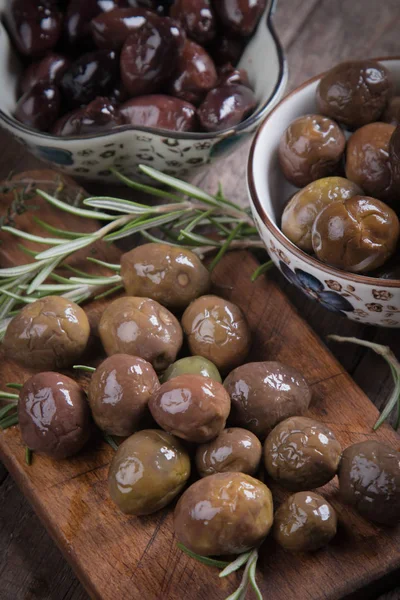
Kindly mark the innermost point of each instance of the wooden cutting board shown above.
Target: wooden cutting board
(118, 557)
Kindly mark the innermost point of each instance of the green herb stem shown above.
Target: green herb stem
(211, 562)
(84, 368)
(110, 441)
(28, 456)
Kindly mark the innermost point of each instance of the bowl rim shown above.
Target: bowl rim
(251, 121)
(275, 230)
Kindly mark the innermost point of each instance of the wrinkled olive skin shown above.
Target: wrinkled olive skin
(50, 69)
(78, 18)
(53, 413)
(34, 26)
(367, 160)
(160, 111)
(195, 74)
(311, 148)
(39, 107)
(192, 365)
(173, 276)
(357, 235)
(369, 480)
(217, 329)
(304, 207)
(148, 470)
(305, 522)
(192, 407)
(51, 333)
(197, 18)
(141, 327)
(98, 116)
(234, 449)
(110, 29)
(301, 454)
(226, 50)
(265, 393)
(225, 513)
(391, 113)
(119, 392)
(230, 75)
(240, 17)
(354, 92)
(226, 106)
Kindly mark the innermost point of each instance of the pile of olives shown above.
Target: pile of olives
(94, 65)
(346, 160)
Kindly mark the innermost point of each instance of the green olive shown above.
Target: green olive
(192, 365)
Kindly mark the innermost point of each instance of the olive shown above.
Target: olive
(195, 74)
(119, 392)
(240, 17)
(39, 107)
(148, 470)
(225, 513)
(265, 393)
(301, 454)
(160, 111)
(303, 208)
(369, 480)
(226, 106)
(118, 95)
(394, 160)
(110, 29)
(171, 275)
(233, 75)
(78, 19)
(197, 18)
(310, 148)
(50, 70)
(98, 116)
(194, 365)
(192, 407)
(53, 415)
(217, 329)
(354, 92)
(234, 449)
(226, 50)
(305, 522)
(34, 26)
(391, 113)
(50, 333)
(356, 235)
(141, 327)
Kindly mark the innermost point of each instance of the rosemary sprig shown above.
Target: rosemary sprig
(28, 456)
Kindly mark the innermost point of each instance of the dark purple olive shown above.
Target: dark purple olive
(226, 50)
(162, 112)
(79, 15)
(111, 29)
(91, 75)
(197, 18)
(177, 31)
(226, 106)
(229, 75)
(39, 107)
(51, 69)
(98, 116)
(34, 26)
(239, 17)
(195, 74)
(161, 7)
(118, 95)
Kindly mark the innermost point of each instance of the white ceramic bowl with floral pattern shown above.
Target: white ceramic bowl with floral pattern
(125, 148)
(365, 299)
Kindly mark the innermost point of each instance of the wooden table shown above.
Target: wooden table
(316, 34)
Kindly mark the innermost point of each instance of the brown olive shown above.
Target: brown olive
(141, 327)
(265, 393)
(192, 407)
(305, 522)
(303, 208)
(39, 107)
(217, 329)
(110, 29)
(99, 115)
(50, 333)
(394, 159)
(354, 92)
(356, 235)
(391, 113)
(50, 69)
(78, 19)
(160, 111)
(148, 470)
(195, 74)
(225, 513)
(233, 75)
(310, 148)
(173, 276)
(119, 392)
(234, 449)
(34, 26)
(301, 454)
(240, 17)
(226, 50)
(197, 18)
(53, 414)
(226, 106)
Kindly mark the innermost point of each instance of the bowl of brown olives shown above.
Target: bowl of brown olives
(324, 186)
(94, 85)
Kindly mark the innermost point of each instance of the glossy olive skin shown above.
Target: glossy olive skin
(51, 333)
(234, 449)
(226, 106)
(50, 69)
(141, 327)
(148, 470)
(226, 50)
(301, 454)
(161, 112)
(78, 18)
(357, 235)
(230, 75)
(197, 18)
(303, 208)
(39, 107)
(34, 26)
(311, 148)
(192, 407)
(217, 329)
(54, 416)
(305, 522)
(195, 74)
(240, 17)
(225, 513)
(265, 393)
(354, 92)
(391, 114)
(194, 365)
(173, 276)
(119, 392)
(110, 29)
(98, 116)
(369, 480)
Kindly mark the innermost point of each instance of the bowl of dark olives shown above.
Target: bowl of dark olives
(324, 186)
(93, 85)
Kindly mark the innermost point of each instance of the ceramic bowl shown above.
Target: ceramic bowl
(125, 148)
(365, 299)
